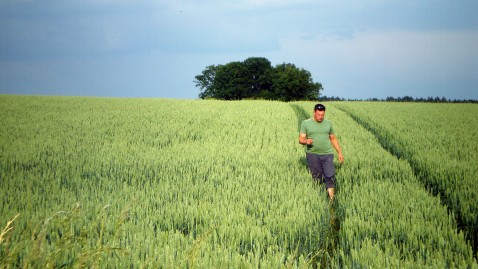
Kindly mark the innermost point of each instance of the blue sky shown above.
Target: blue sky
(145, 48)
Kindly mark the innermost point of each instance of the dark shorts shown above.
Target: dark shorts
(322, 168)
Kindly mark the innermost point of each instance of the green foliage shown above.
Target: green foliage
(291, 83)
(205, 184)
(439, 141)
(255, 78)
(64, 239)
(211, 184)
(205, 82)
(388, 218)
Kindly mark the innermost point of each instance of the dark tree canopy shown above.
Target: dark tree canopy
(255, 78)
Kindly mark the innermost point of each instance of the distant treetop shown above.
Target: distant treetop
(255, 78)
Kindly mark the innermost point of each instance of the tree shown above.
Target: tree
(205, 81)
(256, 78)
(291, 83)
(258, 71)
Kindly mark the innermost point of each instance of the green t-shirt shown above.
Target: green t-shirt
(319, 132)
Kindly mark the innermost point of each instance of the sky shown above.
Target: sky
(154, 48)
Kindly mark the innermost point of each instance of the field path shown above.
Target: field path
(438, 165)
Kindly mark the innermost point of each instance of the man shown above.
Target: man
(318, 134)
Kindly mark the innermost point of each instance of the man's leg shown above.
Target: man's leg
(329, 174)
(315, 167)
(331, 192)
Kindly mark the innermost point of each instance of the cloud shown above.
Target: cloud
(398, 51)
(374, 43)
(392, 61)
(68, 29)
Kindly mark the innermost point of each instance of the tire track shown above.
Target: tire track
(327, 251)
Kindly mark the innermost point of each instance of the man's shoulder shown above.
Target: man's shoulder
(305, 125)
(308, 120)
(328, 123)
(313, 124)
(312, 120)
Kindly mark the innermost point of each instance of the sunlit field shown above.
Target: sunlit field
(163, 183)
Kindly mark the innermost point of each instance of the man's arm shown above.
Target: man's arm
(304, 140)
(335, 144)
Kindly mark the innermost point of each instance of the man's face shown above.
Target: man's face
(319, 115)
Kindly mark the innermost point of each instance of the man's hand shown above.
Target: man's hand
(341, 158)
(304, 140)
(335, 144)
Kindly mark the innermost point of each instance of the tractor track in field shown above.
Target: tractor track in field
(421, 174)
(328, 250)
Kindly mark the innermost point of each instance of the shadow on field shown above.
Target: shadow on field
(324, 257)
(326, 250)
(328, 246)
(303, 161)
(300, 113)
(469, 227)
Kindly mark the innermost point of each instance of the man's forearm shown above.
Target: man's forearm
(335, 144)
(303, 140)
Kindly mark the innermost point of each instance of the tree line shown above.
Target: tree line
(402, 99)
(256, 78)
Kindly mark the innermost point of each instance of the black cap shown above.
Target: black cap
(319, 107)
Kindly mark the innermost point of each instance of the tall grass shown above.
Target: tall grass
(209, 184)
(389, 220)
(439, 141)
(158, 183)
